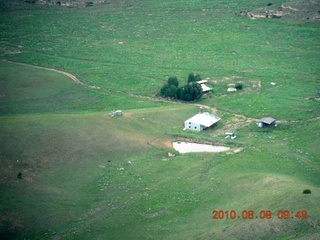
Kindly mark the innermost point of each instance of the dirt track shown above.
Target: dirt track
(72, 77)
(76, 80)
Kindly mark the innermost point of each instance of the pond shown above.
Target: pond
(186, 147)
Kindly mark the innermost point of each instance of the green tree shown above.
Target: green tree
(163, 90)
(173, 81)
(170, 88)
(191, 91)
(172, 91)
(198, 77)
(191, 78)
(179, 93)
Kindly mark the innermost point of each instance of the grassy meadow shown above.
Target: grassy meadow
(87, 175)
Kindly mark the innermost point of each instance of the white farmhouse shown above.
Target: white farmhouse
(201, 121)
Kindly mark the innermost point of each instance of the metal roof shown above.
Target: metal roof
(205, 88)
(267, 120)
(206, 119)
(202, 81)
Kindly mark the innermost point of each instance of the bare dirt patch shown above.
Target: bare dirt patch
(237, 150)
(249, 85)
(157, 214)
(12, 52)
(298, 10)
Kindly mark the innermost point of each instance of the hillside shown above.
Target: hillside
(298, 10)
(76, 3)
(301, 11)
(69, 169)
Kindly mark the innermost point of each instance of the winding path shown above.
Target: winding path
(76, 80)
(72, 77)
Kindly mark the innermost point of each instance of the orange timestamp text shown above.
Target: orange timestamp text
(262, 214)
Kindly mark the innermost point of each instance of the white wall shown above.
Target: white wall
(192, 126)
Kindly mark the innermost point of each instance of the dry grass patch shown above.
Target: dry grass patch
(249, 86)
(157, 214)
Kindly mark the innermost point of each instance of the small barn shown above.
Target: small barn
(204, 87)
(201, 121)
(267, 122)
(119, 112)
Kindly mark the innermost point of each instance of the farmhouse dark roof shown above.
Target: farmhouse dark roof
(267, 120)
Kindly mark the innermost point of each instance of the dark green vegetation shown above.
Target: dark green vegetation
(87, 175)
(307, 191)
(190, 91)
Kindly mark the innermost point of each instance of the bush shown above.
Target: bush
(307, 191)
(19, 176)
(238, 86)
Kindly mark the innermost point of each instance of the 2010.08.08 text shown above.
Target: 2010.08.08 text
(262, 214)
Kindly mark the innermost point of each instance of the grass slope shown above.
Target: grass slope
(88, 175)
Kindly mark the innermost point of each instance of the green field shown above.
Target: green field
(87, 175)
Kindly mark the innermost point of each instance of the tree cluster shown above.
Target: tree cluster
(191, 91)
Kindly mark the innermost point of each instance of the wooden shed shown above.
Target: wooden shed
(267, 122)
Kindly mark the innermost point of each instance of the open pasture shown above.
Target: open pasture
(88, 175)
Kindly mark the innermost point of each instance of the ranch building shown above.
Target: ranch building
(204, 87)
(267, 122)
(201, 121)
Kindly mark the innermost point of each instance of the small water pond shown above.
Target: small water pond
(186, 147)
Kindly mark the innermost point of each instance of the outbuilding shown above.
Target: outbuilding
(204, 87)
(201, 121)
(119, 113)
(267, 122)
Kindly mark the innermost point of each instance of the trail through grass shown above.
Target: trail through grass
(88, 175)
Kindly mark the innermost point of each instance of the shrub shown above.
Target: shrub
(89, 4)
(307, 191)
(238, 86)
(19, 176)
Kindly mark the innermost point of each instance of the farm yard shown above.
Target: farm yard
(71, 170)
